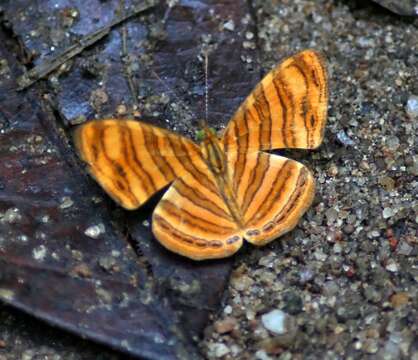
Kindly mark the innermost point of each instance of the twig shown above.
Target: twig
(45, 68)
(170, 5)
(126, 59)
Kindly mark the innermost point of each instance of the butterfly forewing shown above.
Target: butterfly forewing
(287, 109)
(132, 160)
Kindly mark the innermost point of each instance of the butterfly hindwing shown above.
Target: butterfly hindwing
(192, 218)
(273, 192)
(132, 160)
(287, 109)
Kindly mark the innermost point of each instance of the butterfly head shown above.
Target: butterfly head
(205, 134)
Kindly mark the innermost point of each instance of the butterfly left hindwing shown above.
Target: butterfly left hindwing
(192, 219)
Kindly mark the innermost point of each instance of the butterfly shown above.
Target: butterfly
(225, 189)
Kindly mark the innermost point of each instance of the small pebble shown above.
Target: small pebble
(392, 266)
(39, 253)
(228, 309)
(387, 182)
(370, 346)
(344, 139)
(241, 283)
(262, 355)
(348, 229)
(121, 109)
(387, 213)
(11, 216)
(405, 249)
(249, 35)
(229, 25)
(218, 349)
(81, 270)
(275, 321)
(226, 325)
(108, 263)
(66, 202)
(399, 299)
(95, 231)
(320, 255)
(412, 106)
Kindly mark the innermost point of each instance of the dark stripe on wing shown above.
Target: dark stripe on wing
(241, 155)
(275, 191)
(293, 199)
(256, 183)
(277, 87)
(199, 199)
(192, 219)
(120, 180)
(147, 180)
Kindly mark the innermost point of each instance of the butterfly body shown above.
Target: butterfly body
(226, 189)
(214, 155)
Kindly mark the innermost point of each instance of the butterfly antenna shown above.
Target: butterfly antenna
(206, 86)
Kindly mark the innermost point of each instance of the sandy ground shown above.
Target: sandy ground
(344, 282)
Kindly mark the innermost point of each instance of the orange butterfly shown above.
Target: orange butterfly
(224, 189)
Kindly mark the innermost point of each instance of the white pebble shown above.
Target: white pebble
(387, 213)
(39, 253)
(392, 266)
(275, 321)
(11, 216)
(412, 106)
(229, 25)
(219, 349)
(95, 231)
(262, 355)
(66, 202)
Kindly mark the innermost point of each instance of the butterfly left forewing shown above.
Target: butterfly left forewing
(132, 160)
